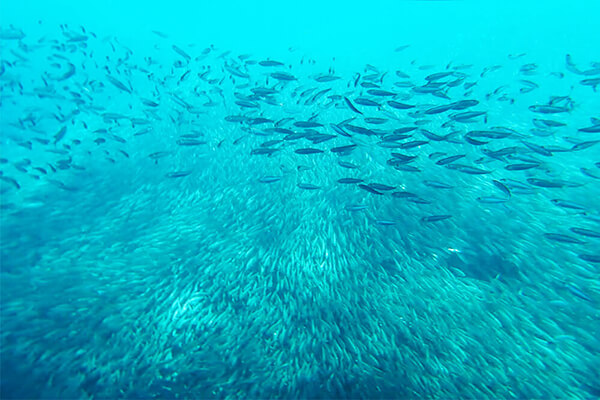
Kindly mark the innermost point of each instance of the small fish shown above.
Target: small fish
(356, 207)
(306, 124)
(491, 199)
(349, 180)
(584, 145)
(343, 149)
(546, 109)
(590, 129)
(466, 116)
(545, 183)
(559, 237)
(11, 181)
(381, 187)
(438, 109)
(521, 166)
(590, 173)
(270, 63)
(414, 143)
(351, 106)
(308, 186)
(190, 142)
(448, 160)
(593, 82)
(270, 179)
(437, 184)
(403, 195)
(502, 187)
(159, 154)
(369, 189)
(346, 164)
(61, 134)
(149, 103)
(263, 151)
(178, 174)
(593, 258)
(399, 106)
(283, 76)
(578, 292)
(380, 92)
(118, 84)
(567, 204)
(435, 218)
(464, 104)
(468, 169)
(585, 232)
(308, 150)
(547, 123)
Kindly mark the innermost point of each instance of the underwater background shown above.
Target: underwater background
(385, 199)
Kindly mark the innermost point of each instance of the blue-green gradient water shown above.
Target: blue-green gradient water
(299, 200)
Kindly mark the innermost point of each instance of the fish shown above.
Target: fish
(593, 82)
(308, 150)
(450, 159)
(399, 106)
(577, 292)
(593, 258)
(270, 63)
(466, 116)
(584, 145)
(305, 124)
(348, 165)
(178, 174)
(567, 204)
(343, 149)
(590, 129)
(437, 184)
(355, 207)
(492, 199)
(326, 78)
(308, 186)
(363, 101)
(380, 92)
(548, 109)
(270, 178)
(349, 180)
(559, 237)
(438, 109)
(181, 52)
(435, 218)
(118, 84)
(11, 181)
(190, 142)
(369, 189)
(60, 134)
(381, 187)
(538, 149)
(585, 232)
(412, 144)
(521, 166)
(502, 187)
(467, 169)
(385, 222)
(544, 183)
(403, 195)
(283, 76)
(264, 151)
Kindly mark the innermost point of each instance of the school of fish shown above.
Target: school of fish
(190, 222)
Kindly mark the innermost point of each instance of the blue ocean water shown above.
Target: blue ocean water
(393, 199)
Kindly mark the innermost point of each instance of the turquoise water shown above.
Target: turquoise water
(316, 200)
